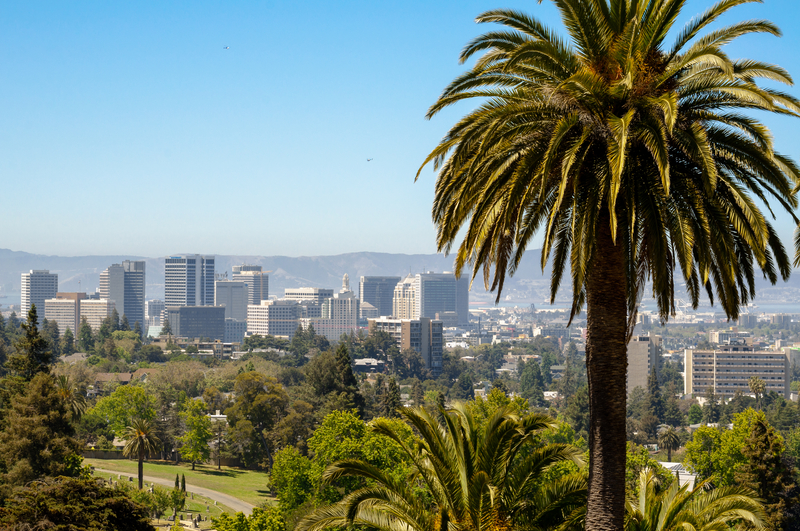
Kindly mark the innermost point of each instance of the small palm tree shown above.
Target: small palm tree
(478, 478)
(669, 439)
(699, 509)
(71, 396)
(141, 442)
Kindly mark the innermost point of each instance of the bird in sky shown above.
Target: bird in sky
(369, 160)
(226, 48)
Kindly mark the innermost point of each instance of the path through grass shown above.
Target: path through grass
(247, 485)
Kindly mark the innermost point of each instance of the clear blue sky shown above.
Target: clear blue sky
(126, 128)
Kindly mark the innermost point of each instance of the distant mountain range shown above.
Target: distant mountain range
(529, 284)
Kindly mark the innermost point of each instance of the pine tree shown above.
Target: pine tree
(183, 483)
(124, 325)
(137, 327)
(391, 400)
(166, 329)
(655, 401)
(67, 343)
(33, 353)
(418, 394)
(711, 409)
(85, 337)
(177, 482)
(767, 473)
(114, 320)
(347, 379)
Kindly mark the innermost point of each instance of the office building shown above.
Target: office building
(189, 280)
(197, 321)
(748, 320)
(95, 312)
(153, 311)
(379, 292)
(643, 355)
(125, 284)
(442, 293)
(234, 296)
(234, 331)
(338, 315)
(423, 335)
(37, 287)
(317, 295)
(273, 318)
(404, 300)
(368, 311)
(257, 282)
(728, 369)
(64, 309)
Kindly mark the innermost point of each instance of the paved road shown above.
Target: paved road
(234, 503)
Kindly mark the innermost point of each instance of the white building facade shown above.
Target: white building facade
(37, 287)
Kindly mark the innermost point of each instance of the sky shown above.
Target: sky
(128, 128)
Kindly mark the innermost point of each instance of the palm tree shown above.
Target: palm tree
(633, 159)
(757, 387)
(141, 442)
(478, 478)
(669, 439)
(71, 395)
(699, 509)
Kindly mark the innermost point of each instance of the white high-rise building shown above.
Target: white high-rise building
(125, 285)
(728, 369)
(37, 287)
(339, 314)
(95, 311)
(257, 282)
(273, 318)
(189, 280)
(317, 295)
(404, 303)
(233, 295)
(153, 310)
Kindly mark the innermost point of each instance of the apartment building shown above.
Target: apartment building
(728, 369)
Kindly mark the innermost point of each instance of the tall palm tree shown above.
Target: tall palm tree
(757, 387)
(71, 395)
(669, 439)
(699, 509)
(633, 159)
(141, 441)
(477, 477)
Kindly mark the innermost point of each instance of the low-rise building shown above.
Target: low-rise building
(197, 321)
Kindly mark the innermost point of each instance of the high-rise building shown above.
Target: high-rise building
(379, 292)
(643, 355)
(728, 369)
(195, 322)
(37, 287)
(65, 311)
(153, 310)
(95, 311)
(317, 295)
(423, 335)
(439, 293)
(257, 282)
(273, 318)
(338, 315)
(233, 295)
(404, 301)
(189, 280)
(125, 284)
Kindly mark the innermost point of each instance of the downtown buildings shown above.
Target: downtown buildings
(125, 285)
(37, 286)
(189, 280)
(433, 295)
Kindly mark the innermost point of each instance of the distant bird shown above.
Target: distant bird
(226, 48)
(369, 160)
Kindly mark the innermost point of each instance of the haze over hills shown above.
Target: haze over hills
(529, 284)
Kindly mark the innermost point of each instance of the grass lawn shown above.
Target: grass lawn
(247, 485)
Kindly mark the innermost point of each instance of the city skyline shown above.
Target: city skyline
(128, 110)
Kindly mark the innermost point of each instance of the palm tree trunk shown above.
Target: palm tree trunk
(607, 364)
(141, 468)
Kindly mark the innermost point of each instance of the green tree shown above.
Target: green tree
(391, 400)
(33, 353)
(126, 403)
(114, 321)
(66, 503)
(494, 489)
(766, 472)
(620, 148)
(262, 519)
(695, 414)
(198, 432)
(757, 387)
(577, 412)
(166, 328)
(654, 398)
(531, 383)
(67, 343)
(85, 337)
(124, 325)
(74, 399)
(292, 478)
(347, 379)
(711, 409)
(140, 442)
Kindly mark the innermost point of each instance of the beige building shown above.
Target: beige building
(729, 368)
(278, 318)
(64, 309)
(423, 335)
(315, 295)
(257, 282)
(404, 302)
(338, 315)
(95, 311)
(643, 354)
